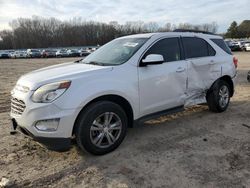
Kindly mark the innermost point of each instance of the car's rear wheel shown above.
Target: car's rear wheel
(101, 127)
(218, 97)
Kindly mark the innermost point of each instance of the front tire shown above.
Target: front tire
(101, 127)
(218, 96)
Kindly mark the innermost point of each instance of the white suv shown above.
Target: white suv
(130, 79)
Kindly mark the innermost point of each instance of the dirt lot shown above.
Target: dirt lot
(195, 148)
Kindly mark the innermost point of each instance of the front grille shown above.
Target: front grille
(17, 106)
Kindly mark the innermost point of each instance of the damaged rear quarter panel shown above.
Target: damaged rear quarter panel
(202, 72)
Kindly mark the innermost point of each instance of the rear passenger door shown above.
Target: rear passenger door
(163, 86)
(201, 60)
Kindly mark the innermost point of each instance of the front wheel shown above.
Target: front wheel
(101, 127)
(218, 97)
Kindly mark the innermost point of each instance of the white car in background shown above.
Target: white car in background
(247, 47)
(19, 54)
(62, 53)
(128, 80)
(33, 53)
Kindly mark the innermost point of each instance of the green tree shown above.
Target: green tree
(232, 31)
(244, 29)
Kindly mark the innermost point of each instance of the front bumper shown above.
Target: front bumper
(38, 112)
(34, 112)
(56, 144)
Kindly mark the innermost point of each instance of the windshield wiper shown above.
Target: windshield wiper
(96, 63)
(78, 61)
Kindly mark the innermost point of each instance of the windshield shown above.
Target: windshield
(115, 52)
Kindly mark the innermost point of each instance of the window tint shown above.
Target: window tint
(197, 47)
(211, 51)
(222, 45)
(169, 48)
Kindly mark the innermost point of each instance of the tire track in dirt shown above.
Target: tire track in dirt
(52, 178)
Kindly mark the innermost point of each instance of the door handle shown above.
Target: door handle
(180, 69)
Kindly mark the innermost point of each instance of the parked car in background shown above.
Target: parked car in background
(130, 79)
(240, 43)
(4, 55)
(243, 45)
(85, 52)
(247, 46)
(62, 53)
(234, 46)
(73, 53)
(19, 54)
(32, 53)
(48, 53)
(94, 49)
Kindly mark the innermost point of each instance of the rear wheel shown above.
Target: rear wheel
(218, 97)
(101, 127)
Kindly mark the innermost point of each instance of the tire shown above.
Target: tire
(99, 142)
(248, 76)
(220, 91)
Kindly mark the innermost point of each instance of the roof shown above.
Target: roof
(162, 34)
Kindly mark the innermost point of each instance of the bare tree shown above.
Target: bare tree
(39, 32)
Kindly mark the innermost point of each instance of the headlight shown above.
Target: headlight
(50, 92)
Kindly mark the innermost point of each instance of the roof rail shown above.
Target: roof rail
(193, 31)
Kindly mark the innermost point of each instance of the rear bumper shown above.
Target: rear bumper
(56, 144)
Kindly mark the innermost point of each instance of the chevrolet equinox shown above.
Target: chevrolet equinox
(130, 79)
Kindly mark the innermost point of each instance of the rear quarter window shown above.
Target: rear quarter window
(221, 43)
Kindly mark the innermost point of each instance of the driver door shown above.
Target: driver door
(163, 86)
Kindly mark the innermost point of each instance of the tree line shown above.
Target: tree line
(39, 32)
(239, 31)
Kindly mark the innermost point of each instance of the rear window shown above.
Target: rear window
(197, 47)
(222, 45)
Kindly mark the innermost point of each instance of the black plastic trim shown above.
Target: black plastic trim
(55, 144)
(158, 114)
(193, 31)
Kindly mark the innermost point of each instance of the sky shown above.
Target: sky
(223, 12)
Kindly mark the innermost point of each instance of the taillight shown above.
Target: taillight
(235, 60)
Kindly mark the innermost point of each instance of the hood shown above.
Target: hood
(65, 71)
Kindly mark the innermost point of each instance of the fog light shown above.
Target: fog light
(48, 125)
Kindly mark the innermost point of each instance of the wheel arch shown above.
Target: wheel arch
(112, 98)
(227, 79)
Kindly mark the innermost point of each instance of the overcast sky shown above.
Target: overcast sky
(162, 11)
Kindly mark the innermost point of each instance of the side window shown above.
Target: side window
(169, 48)
(197, 47)
(222, 45)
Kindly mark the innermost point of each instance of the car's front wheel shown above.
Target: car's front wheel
(218, 97)
(101, 127)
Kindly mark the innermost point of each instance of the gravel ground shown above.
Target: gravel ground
(194, 148)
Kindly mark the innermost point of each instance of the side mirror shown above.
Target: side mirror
(152, 59)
